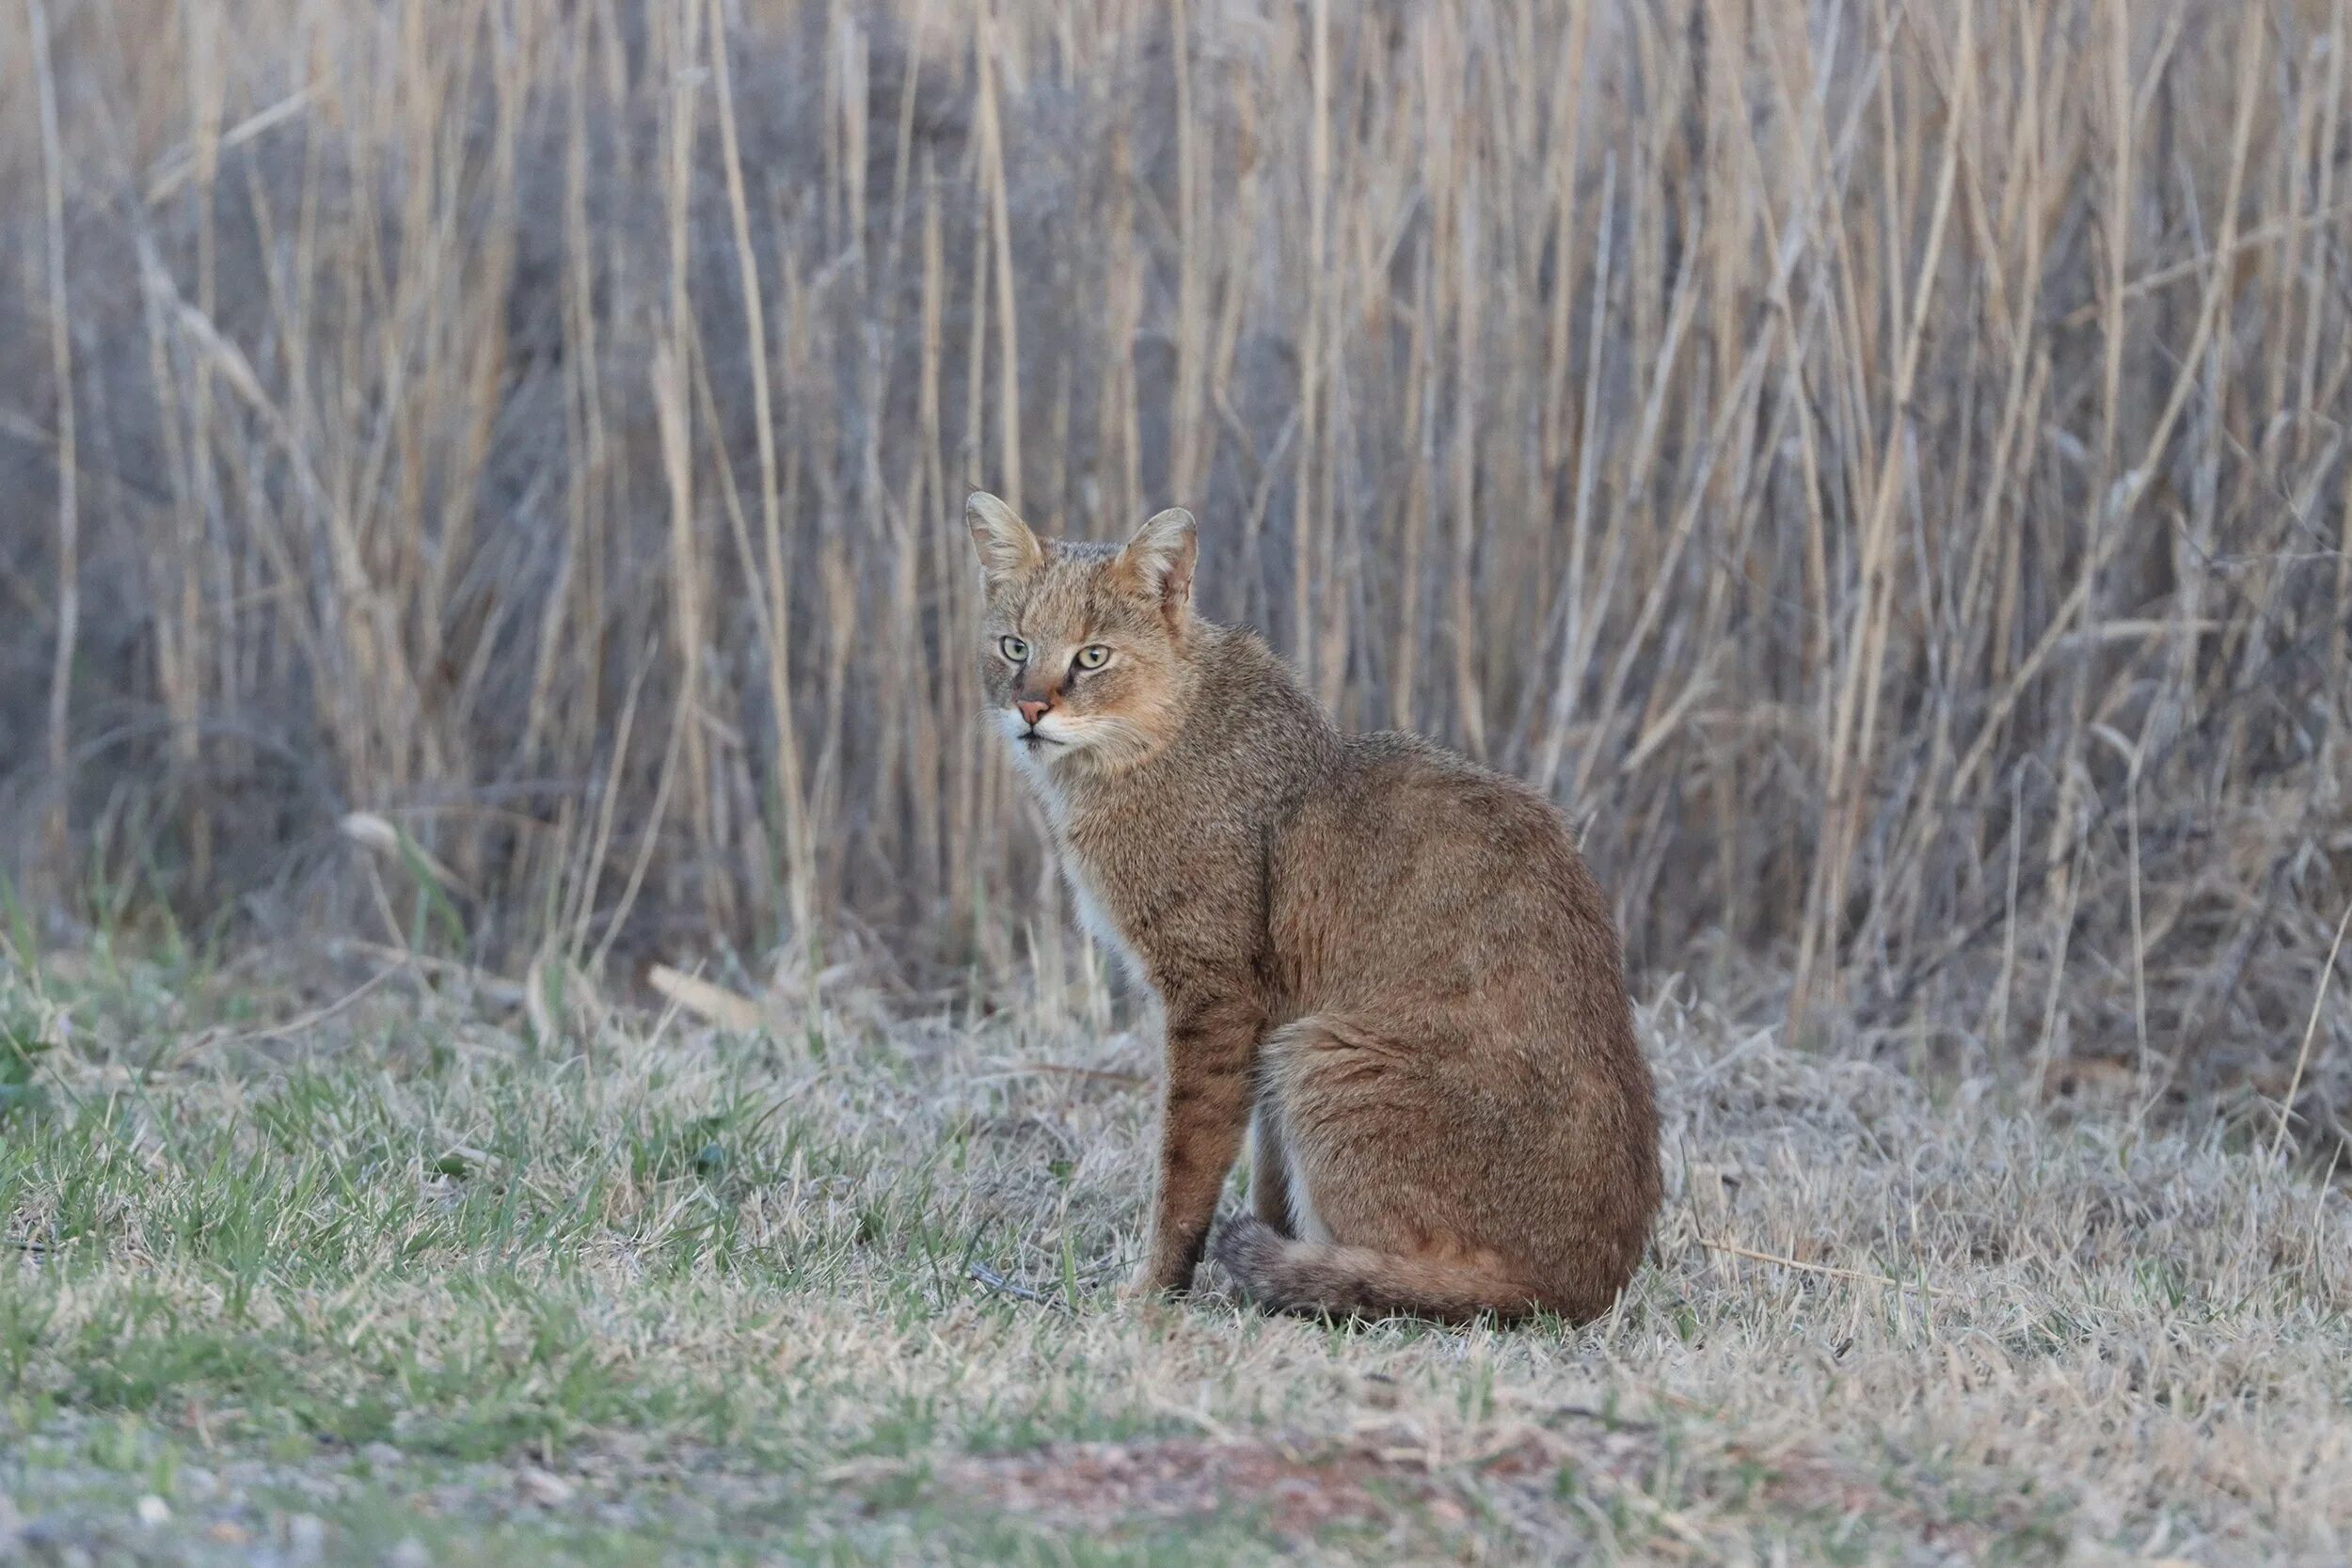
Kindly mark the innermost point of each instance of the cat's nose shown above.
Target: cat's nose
(1033, 711)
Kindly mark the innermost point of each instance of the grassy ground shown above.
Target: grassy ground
(422, 1280)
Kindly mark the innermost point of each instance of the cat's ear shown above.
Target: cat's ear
(1158, 560)
(1006, 548)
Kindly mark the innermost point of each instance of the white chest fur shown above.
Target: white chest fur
(1097, 920)
(1092, 916)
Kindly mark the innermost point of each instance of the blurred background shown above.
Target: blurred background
(1881, 466)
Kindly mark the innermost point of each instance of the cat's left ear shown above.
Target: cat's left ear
(1158, 561)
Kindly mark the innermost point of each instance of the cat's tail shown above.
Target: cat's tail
(1283, 1275)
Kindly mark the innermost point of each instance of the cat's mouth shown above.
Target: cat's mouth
(1029, 739)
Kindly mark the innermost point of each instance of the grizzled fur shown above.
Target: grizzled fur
(1387, 964)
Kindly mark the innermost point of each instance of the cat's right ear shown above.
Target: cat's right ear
(1006, 546)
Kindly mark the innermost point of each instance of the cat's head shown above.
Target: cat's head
(1085, 648)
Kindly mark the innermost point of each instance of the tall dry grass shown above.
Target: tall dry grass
(1881, 463)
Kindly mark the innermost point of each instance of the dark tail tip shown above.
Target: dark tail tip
(1250, 1250)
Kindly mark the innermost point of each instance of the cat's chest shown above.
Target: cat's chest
(1095, 919)
(1123, 883)
(1131, 873)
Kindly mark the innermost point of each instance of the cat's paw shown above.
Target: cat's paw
(1148, 1284)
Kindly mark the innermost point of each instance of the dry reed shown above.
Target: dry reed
(1882, 464)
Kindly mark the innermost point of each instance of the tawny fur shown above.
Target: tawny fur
(1391, 961)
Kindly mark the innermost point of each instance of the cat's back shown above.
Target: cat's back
(1408, 859)
(1411, 804)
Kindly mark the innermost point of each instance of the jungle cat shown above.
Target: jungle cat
(1389, 965)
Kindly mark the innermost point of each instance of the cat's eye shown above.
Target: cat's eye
(1013, 649)
(1093, 657)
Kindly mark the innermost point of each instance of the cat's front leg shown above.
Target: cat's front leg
(1211, 1042)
